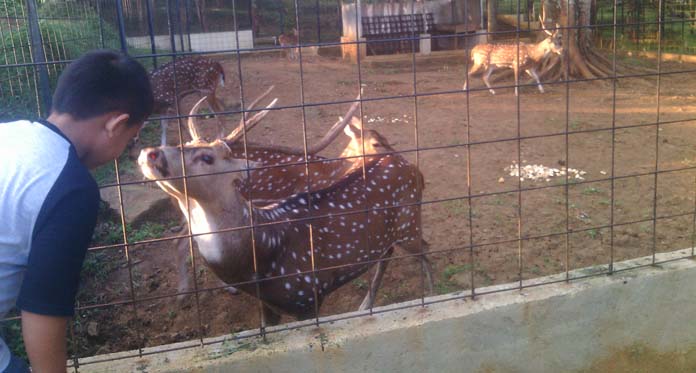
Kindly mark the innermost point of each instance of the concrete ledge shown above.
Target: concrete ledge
(556, 327)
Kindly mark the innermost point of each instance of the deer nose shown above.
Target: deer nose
(152, 155)
(149, 156)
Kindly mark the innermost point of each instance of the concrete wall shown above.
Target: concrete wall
(203, 42)
(644, 315)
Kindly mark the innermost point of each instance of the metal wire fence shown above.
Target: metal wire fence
(630, 130)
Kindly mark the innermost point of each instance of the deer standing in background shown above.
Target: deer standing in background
(173, 81)
(287, 41)
(488, 57)
(354, 221)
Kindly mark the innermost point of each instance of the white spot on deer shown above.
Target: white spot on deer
(288, 286)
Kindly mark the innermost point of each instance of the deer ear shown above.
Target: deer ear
(356, 122)
(349, 131)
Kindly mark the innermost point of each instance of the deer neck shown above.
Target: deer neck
(229, 254)
(538, 51)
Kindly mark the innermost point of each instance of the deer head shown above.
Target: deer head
(553, 42)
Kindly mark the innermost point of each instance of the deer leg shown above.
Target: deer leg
(215, 107)
(427, 266)
(369, 300)
(184, 279)
(269, 317)
(486, 76)
(163, 137)
(474, 69)
(517, 79)
(534, 75)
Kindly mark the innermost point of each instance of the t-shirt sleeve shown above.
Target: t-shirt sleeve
(58, 250)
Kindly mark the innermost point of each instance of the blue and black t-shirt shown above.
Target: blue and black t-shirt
(48, 210)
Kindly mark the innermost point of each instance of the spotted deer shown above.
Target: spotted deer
(488, 57)
(287, 41)
(353, 222)
(260, 188)
(173, 81)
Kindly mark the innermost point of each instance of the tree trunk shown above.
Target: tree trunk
(583, 61)
(492, 23)
(200, 9)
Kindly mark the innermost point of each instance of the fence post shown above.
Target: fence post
(318, 10)
(39, 58)
(101, 24)
(151, 30)
(121, 26)
(188, 23)
(170, 25)
(178, 25)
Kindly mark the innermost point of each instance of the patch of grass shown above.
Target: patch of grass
(446, 285)
(150, 133)
(455, 207)
(591, 190)
(106, 174)
(229, 347)
(147, 231)
(593, 234)
(360, 283)
(11, 332)
(97, 265)
(452, 270)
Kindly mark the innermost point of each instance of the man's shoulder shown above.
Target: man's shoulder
(40, 148)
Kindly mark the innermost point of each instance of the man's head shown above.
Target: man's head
(100, 103)
(104, 81)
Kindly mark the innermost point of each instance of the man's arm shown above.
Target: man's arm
(47, 296)
(44, 339)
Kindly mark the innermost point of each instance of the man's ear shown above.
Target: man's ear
(116, 123)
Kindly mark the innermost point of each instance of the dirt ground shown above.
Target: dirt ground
(443, 123)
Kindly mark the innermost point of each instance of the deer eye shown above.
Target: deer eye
(207, 159)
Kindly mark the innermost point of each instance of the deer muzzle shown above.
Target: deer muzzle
(153, 163)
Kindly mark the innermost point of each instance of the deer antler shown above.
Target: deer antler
(191, 123)
(542, 21)
(333, 132)
(238, 130)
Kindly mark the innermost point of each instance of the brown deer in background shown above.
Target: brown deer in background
(488, 57)
(287, 41)
(354, 222)
(173, 81)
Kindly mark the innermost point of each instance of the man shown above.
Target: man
(49, 200)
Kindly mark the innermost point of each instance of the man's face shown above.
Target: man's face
(111, 143)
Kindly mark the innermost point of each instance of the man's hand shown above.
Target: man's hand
(44, 338)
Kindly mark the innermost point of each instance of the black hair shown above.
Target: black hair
(103, 81)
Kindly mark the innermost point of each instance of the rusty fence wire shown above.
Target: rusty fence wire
(499, 227)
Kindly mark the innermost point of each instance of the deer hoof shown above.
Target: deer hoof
(492, 92)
